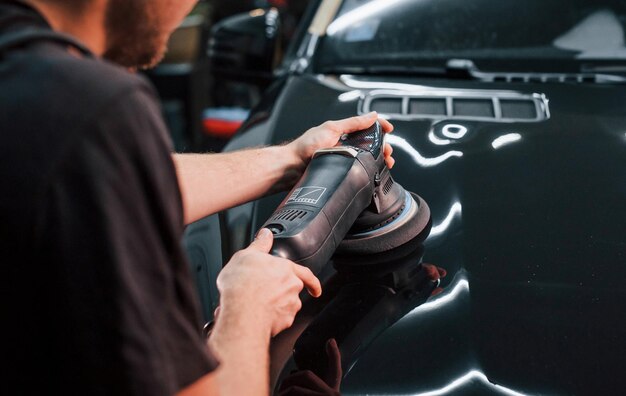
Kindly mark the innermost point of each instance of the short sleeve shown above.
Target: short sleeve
(128, 317)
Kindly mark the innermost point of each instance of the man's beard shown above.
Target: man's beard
(135, 38)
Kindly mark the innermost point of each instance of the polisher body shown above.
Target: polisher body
(346, 190)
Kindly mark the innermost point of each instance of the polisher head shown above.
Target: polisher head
(412, 219)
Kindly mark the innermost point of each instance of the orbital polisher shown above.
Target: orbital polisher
(346, 202)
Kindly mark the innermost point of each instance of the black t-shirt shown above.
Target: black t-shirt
(97, 298)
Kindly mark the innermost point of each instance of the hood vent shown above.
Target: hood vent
(388, 105)
(495, 106)
(473, 108)
(430, 106)
(518, 109)
(538, 78)
(466, 68)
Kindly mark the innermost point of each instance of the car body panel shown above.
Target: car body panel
(531, 229)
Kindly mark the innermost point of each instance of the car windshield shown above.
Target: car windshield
(504, 35)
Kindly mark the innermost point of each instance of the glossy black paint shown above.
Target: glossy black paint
(532, 234)
(364, 296)
(529, 222)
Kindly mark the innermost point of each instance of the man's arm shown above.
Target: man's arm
(205, 386)
(210, 183)
(214, 182)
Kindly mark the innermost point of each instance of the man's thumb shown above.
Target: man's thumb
(263, 241)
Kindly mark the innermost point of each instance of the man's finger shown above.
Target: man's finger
(387, 126)
(390, 161)
(263, 241)
(388, 150)
(354, 124)
(310, 281)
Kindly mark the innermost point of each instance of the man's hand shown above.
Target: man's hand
(328, 134)
(264, 287)
(250, 174)
(259, 298)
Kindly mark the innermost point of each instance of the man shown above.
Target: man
(97, 298)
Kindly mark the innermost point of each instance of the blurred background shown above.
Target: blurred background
(203, 112)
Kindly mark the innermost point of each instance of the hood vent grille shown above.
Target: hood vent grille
(537, 78)
(473, 108)
(492, 106)
(518, 109)
(388, 105)
(431, 106)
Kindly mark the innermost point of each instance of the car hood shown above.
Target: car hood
(529, 221)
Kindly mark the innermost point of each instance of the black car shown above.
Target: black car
(510, 122)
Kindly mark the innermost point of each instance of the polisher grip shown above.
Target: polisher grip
(335, 189)
(316, 215)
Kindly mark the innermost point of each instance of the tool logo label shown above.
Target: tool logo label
(309, 195)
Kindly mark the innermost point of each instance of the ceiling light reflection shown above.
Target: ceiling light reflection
(349, 96)
(450, 294)
(360, 13)
(401, 143)
(435, 140)
(472, 375)
(454, 131)
(455, 211)
(505, 139)
(354, 83)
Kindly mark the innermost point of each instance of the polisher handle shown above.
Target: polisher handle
(336, 187)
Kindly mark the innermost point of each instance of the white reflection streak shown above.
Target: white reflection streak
(467, 378)
(442, 299)
(399, 142)
(435, 140)
(353, 83)
(349, 96)
(506, 139)
(455, 210)
(359, 14)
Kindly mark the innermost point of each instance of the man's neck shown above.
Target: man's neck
(87, 24)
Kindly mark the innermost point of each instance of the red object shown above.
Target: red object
(224, 129)
(279, 3)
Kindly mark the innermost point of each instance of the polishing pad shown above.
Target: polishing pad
(413, 220)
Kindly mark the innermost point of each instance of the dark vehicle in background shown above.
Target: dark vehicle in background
(510, 122)
(202, 113)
